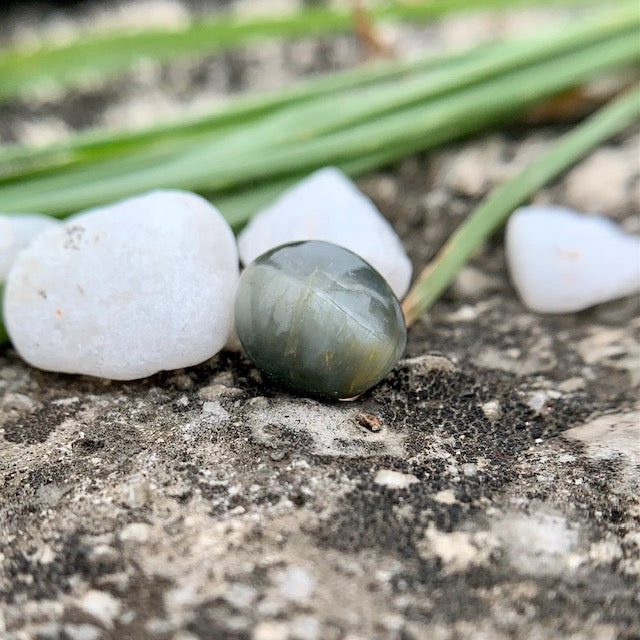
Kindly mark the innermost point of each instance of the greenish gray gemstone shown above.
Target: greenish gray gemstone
(319, 320)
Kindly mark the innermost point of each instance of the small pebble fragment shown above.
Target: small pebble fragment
(394, 479)
(295, 584)
(491, 410)
(319, 320)
(328, 206)
(214, 410)
(17, 230)
(369, 421)
(135, 532)
(126, 290)
(101, 605)
(305, 627)
(563, 261)
(81, 632)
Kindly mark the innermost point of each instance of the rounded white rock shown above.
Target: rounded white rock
(563, 261)
(328, 206)
(17, 230)
(126, 290)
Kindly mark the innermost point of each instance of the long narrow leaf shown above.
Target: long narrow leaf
(238, 207)
(423, 125)
(448, 72)
(18, 160)
(434, 123)
(106, 54)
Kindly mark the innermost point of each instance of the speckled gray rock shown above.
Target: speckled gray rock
(126, 290)
(319, 320)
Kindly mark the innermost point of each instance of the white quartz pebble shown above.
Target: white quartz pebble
(563, 261)
(328, 206)
(126, 290)
(17, 230)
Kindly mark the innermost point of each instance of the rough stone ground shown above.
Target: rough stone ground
(498, 500)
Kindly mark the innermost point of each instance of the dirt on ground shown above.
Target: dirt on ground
(488, 488)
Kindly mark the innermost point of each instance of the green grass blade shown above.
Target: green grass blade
(240, 206)
(99, 55)
(439, 120)
(495, 209)
(21, 160)
(448, 72)
(420, 126)
(258, 151)
(343, 111)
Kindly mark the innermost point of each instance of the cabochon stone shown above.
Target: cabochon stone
(328, 206)
(563, 261)
(126, 290)
(317, 319)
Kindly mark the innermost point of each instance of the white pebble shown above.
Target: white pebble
(328, 206)
(394, 479)
(213, 409)
(136, 532)
(597, 183)
(491, 410)
(563, 261)
(81, 632)
(305, 628)
(270, 630)
(295, 584)
(100, 605)
(17, 230)
(126, 290)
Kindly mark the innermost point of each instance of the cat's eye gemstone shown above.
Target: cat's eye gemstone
(319, 320)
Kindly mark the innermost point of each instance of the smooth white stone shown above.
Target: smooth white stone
(328, 206)
(126, 290)
(563, 261)
(17, 230)
(394, 479)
